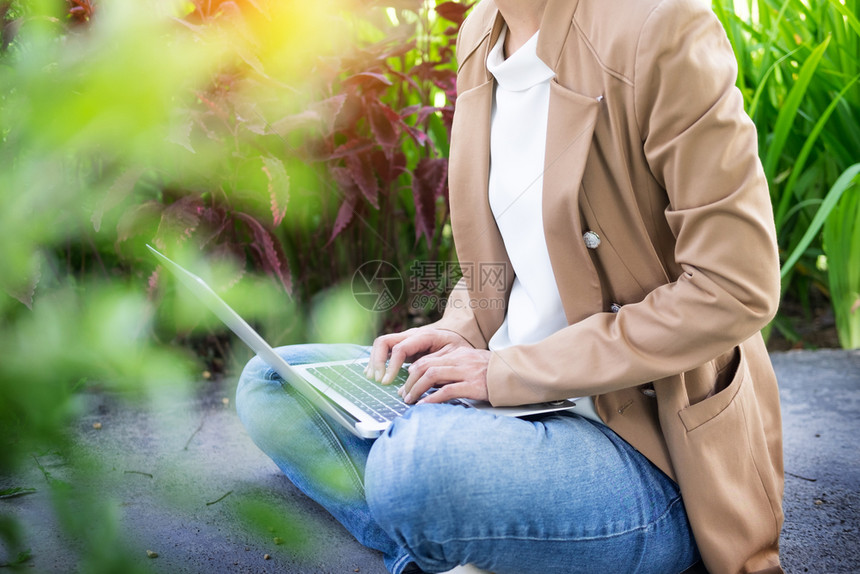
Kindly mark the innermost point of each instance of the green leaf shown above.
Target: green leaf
(15, 491)
(788, 113)
(800, 161)
(846, 13)
(845, 181)
(842, 246)
(753, 106)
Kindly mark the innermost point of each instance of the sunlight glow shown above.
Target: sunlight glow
(392, 15)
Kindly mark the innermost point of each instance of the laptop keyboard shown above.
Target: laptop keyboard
(380, 401)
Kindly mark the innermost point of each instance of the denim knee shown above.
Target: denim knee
(412, 470)
(257, 377)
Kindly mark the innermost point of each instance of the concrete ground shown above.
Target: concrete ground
(183, 480)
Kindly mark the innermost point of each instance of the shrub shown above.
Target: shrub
(799, 67)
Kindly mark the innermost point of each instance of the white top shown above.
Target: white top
(517, 149)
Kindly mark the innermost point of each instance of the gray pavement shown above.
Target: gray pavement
(186, 482)
(820, 394)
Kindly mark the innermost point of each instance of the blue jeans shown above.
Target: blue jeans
(447, 485)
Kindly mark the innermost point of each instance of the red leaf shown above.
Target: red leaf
(360, 169)
(279, 188)
(351, 147)
(329, 110)
(388, 168)
(81, 10)
(398, 48)
(406, 78)
(213, 222)
(425, 113)
(268, 251)
(423, 71)
(321, 114)
(348, 114)
(219, 111)
(445, 80)
(383, 124)
(179, 220)
(344, 216)
(429, 181)
(369, 80)
(419, 136)
(448, 118)
(342, 178)
(409, 110)
(285, 125)
(450, 31)
(453, 11)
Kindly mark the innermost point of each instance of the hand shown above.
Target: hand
(396, 348)
(459, 373)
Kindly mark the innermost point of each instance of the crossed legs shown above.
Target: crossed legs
(447, 485)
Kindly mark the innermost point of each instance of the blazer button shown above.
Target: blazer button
(648, 390)
(615, 308)
(592, 240)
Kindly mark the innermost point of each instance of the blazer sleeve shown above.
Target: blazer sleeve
(701, 147)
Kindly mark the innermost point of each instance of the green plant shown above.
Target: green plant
(799, 68)
(350, 168)
(379, 143)
(251, 138)
(842, 247)
(91, 98)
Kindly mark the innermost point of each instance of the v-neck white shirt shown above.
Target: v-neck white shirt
(517, 153)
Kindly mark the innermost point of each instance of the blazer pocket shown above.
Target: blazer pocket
(729, 477)
(698, 414)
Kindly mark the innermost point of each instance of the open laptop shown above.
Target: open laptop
(337, 388)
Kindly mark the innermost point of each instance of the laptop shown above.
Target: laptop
(337, 388)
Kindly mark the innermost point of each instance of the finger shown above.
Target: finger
(444, 356)
(434, 376)
(418, 345)
(413, 346)
(379, 354)
(399, 353)
(449, 393)
(416, 370)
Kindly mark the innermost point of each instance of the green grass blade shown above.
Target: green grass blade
(802, 205)
(846, 13)
(842, 245)
(800, 162)
(788, 113)
(763, 83)
(773, 29)
(735, 39)
(845, 181)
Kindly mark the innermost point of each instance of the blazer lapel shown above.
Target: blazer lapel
(572, 118)
(480, 248)
(554, 29)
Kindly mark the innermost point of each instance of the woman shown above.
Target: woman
(605, 175)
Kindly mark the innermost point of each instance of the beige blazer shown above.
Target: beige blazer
(649, 148)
